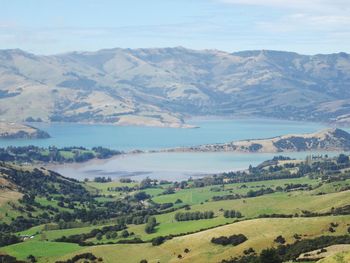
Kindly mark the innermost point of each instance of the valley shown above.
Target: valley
(302, 200)
(211, 131)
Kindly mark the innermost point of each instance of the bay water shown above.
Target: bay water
(169, 166)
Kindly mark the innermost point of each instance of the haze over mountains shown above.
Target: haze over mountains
(161, 86)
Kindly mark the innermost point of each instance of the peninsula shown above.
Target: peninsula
(332, 139)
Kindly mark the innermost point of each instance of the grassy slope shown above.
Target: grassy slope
(282, 202)
(287, 203)
(9, 194)
(101, 188)
(329, 252)
(332, 187)
(41, 249)
(7, 212)
(260, 233)
(343, 257)
(198, 195)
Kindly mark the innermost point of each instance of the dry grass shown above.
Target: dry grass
(342, 257)
(8, 191)
(330, 251)
(8, 195)
(260, 233)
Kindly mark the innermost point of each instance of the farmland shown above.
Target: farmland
(269, 202)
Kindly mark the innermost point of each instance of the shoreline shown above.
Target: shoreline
(188, 119)
(174, 125)
(185, 165)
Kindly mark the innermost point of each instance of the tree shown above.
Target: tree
(151, 223)
(99, 236)
(146, 183)
(124, 233)
(269, 256)
(31, 258)
(230, 240)
(158, 241)
(141, 196)
(280, 239)
(169, 190)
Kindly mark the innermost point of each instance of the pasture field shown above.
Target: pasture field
(45, 251)
(7, 212)
(276, 203)
(283, 203)
(104, 186)
(332, 187)
(326, 252)
(269, 208)
(260, 233)
(198, 195)
(279, 203)
(342, 257)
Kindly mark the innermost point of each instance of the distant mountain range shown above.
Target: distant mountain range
(332, 139)
(162, 86)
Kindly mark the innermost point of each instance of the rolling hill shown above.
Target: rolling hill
(162, 86)
(20, 131)
(332, 139)
(48, 217)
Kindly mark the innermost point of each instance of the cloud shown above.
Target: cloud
(307, 5)
(307, 26)
(306, 22)
(300, 16)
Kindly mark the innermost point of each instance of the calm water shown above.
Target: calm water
(171, 166)
(168, 166)
(131, 137)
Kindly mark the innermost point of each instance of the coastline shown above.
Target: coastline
(155, 165)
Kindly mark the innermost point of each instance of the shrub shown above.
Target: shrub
(151, 224)
(78, 258)
(280, 239)
(158, 241)
(231, 240)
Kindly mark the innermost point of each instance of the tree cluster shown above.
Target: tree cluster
(187, 216)
(230, 240)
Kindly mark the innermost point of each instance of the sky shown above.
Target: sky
(58, 26)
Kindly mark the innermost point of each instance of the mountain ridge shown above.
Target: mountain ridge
(162, 86)
(330, 139)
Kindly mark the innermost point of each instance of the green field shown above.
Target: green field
(45, 251)
(260, 233)
(198, 195)
(279, 203)
(98, 206)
